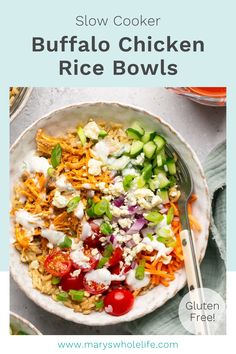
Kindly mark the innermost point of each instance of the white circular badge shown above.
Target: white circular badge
(201, 311)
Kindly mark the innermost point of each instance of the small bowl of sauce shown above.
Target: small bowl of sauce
(209, 96)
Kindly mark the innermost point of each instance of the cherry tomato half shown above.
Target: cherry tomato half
(58, 263)
(116, 256)
(72, 283)
(92, 263)
(94, 288)
(118, 302)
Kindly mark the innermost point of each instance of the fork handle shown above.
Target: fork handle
(193, 274)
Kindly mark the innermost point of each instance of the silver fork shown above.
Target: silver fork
(194, 278)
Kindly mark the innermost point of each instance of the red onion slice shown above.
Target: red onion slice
(118, 202)
(137, 226)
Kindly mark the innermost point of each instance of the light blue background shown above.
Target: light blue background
(211, 21)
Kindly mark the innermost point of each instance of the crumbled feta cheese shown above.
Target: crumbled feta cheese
(34, 163)
(79, 211)
(92, 130)
(136, 238)
(125, 222)
(63, 185)
(101, 151)
(118, 212)
(59, 200)
(94, 167)
(146, 198)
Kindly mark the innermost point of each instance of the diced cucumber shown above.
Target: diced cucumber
(147, 172)
(159, 141)
(170, 163)
(136, 148)
(159, 160)
(141, 182)
(148, 136)
(149, 149)
(133, 134)
(158, 170)
(136, 126)
(120, 163)
(164, 196)
(102, 133)
(81, 135)
(163, 180)
(154, 183)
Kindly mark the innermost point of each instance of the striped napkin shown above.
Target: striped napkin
(165, 320)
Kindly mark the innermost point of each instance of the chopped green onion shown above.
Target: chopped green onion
(51, 171)
(168, 241)
(55, 280)
(90, 202)
(108, 212)
(90, 212)
(77, 295)
(101, 207)
(164, 232)
(170, 216)
(127, 181)
(99, 304)
(63, 296)
(102, 133)
(149, 235)
(66, 243)
(80, 132)
(108, 250)
(73, 203)
(106, 228)
(102, 262)
(56, 155)
(140, 270)
(154, 217)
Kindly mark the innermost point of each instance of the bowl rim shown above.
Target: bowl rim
(26, 322)
(114, 319)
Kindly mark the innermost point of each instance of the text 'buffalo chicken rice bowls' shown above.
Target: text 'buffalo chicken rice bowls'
(96, 218)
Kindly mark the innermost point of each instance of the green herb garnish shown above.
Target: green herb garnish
(127, 181)
(140, 270)
(73, 203)
(99, 304)
(102, 262)
(170, 216)
(106, 228)
(55, 280)
(66, 243)
(154, 217)
(56, 155)
(63, 296)
(77, 295)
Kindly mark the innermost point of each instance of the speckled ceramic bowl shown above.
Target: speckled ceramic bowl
(19, 323)
(56, 123)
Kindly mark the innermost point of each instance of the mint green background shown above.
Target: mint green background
(211, 21)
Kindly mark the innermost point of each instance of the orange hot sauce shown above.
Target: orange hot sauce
(209, 91)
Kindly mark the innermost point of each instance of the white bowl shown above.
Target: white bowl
(21, 324)
(57, 123)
